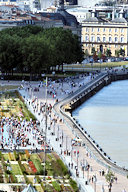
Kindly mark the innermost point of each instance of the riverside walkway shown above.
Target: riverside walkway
(69, 132)
(95, 149)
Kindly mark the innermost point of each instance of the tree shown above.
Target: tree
(117, 53)
(93, 50)
(100, 55)
(34, 49)
(95, 57)
(108, 53)
(122, 52)
(86, 53)
(110, 179)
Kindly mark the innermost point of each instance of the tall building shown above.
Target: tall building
(101, 34)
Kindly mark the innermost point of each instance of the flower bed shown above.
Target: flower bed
(16, 169)
(38, 166)
(32, 166)
(11, 157)
(27, 154)
(27, 169)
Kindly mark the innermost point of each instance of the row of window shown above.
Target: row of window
(108, 46)
(104, 39)
(105, 30)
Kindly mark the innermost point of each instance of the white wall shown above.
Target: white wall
(46, 3)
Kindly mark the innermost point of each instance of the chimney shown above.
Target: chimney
(121, 13)
(61, 3)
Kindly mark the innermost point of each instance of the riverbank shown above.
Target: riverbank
(122, 181)
(85, 156)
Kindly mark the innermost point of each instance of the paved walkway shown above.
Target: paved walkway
(61, 130)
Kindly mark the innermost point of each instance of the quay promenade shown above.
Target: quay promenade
(85, 154)
(65, 128)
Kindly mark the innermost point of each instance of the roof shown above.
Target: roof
(93, 19)
(29, 188)
(119, 20)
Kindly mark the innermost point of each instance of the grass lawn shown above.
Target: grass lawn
(39, 188)
(16, 169)
(97, 65)
(8, 87)
(30, 179)
(35, 156)
(5, 155)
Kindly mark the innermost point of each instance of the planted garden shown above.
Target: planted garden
(28, 168)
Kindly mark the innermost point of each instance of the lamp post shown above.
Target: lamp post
(94, 180)
(77, 158)
(45, 130)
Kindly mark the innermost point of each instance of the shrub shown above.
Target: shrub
(63, 167)
(56, 186)
(74, 185)
(27, 154)
(38, 166)
(16, 155)
(0, 155)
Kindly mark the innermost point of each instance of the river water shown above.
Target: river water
(105, 117)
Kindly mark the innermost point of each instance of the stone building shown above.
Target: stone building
(105, 34)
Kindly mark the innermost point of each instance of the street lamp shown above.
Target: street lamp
(94, 180)
(45, 130)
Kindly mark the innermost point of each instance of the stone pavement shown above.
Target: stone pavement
(60, 129)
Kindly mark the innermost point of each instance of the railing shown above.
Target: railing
(63, 114)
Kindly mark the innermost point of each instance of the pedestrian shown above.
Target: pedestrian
(103, 189)
(123, 190)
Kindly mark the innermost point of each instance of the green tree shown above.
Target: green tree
(117, 53)
(122, 52)
(86, 53)
(110, 179)
(100, 55)
(108, 53)
(93, 50)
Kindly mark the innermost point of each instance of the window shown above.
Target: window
(98, 39)
(103, 29)
(86, 38)
(92, 39)
(110, 30)
(122, 39)
(86, 29)
(116, 30)
(110, 39)
(98, 29)
(104, 39)
(92, 29)
(116, 39)
(122, 30)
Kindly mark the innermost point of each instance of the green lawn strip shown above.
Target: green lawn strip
(38, 166)
(5, 156)
(62, 166)
(95, 65)
(49, 188)
(56, 186)
(30, 179)
(35, 156)
(16, 169)
(49, 168)
(73, 185)
(39, 188)
(7, 87)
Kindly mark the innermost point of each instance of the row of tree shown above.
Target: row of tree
(34, 49)
(108, 53)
